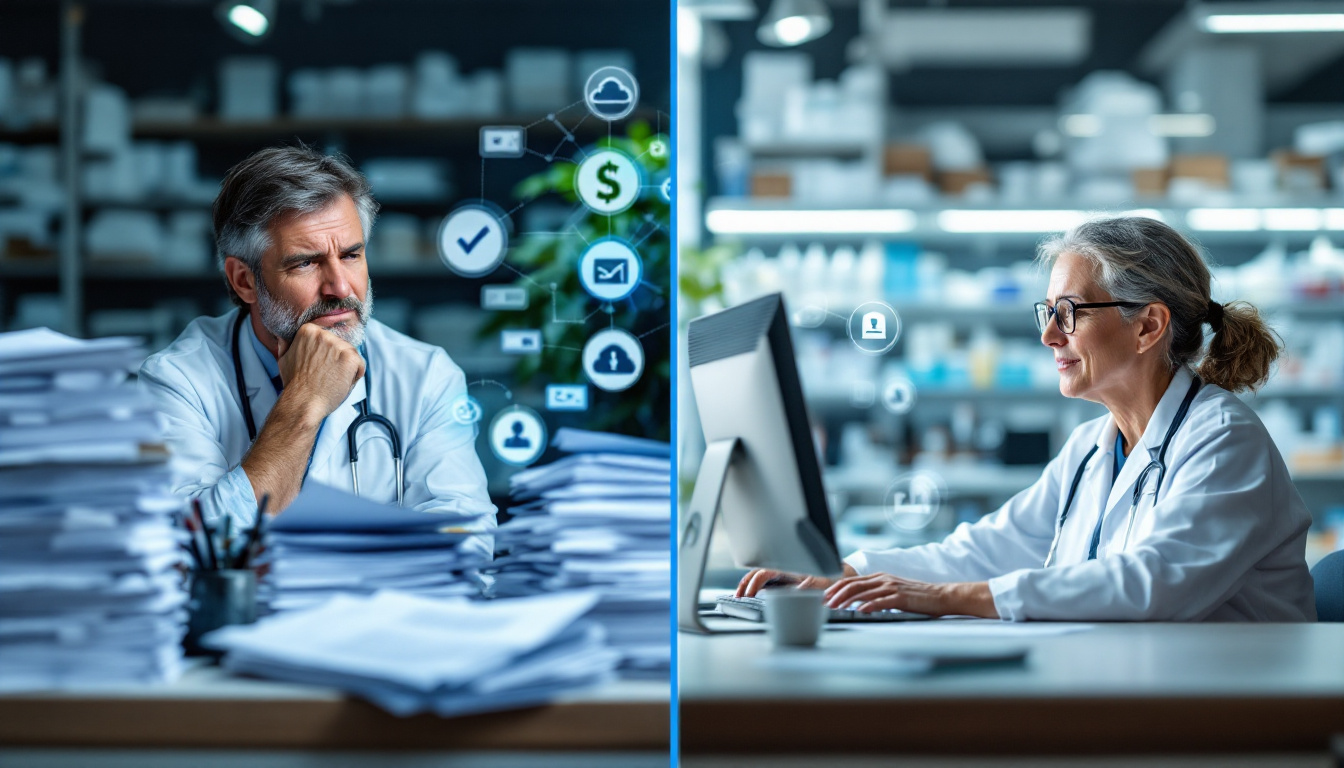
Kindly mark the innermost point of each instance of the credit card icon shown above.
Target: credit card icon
(503, 297)
(503, 141)
(566, 397)
(520, 342)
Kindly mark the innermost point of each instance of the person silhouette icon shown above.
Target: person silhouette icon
(517, 441)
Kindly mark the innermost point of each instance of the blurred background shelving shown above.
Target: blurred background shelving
(917, 153)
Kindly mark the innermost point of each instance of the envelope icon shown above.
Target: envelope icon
(611, 271)
(503, 141)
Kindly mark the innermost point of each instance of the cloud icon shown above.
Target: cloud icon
(611, 97)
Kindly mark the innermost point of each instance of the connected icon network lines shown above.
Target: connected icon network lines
(474, 240)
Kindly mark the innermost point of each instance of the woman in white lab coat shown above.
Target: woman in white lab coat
(1218, 532)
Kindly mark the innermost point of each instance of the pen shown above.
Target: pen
(191, 542)
(209, 535)
(253, 534)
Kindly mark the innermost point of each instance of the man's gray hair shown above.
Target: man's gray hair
(276, 182)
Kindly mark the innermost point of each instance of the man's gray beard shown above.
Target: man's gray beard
(285, 321)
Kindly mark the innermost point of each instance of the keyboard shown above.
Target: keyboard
(753, 609)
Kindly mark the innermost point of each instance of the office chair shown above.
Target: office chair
(1329, 577)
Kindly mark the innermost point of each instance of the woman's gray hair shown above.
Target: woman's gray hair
(276, 182)
(1144, 261)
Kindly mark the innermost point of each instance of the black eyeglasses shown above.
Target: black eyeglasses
(1065, 312)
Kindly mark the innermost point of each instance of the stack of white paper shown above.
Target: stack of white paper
(597, 519)
(329, 542)
(410, 654)
(89, 590)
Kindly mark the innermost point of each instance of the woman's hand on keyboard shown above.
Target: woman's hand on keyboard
(761, 578)
(882, 591)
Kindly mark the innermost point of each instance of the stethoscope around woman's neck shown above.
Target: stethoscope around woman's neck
(350, 434)
(1157, 466)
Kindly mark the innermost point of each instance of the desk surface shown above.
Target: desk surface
(208, 708)
(1113, 688)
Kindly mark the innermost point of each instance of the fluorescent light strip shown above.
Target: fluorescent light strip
(1334, 218)
(859, 222)
(1293, 219)
(1145, 213)
(1243, 23)
(1223, 219)
(1009, 221)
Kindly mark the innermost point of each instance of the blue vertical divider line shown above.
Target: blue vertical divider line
(674, 731)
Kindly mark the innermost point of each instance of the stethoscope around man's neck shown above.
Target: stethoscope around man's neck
(1157, 466)
(350, 434)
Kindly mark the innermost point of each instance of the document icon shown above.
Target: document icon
(503, 297)
(566, 397)
(520, 342)
(503, 141)
(610, 271)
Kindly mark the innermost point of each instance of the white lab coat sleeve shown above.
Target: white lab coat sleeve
(443, 473)
(200, 467)
(1016, 535)
(1216, 519)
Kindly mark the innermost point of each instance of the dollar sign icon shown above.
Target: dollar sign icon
(606, 175)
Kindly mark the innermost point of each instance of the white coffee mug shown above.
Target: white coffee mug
(793, 616)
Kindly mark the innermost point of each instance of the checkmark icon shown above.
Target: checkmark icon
(467, 247)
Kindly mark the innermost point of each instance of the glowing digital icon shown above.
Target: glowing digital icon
(913, 500)
(874, 327)
(465, 410)
(898, 395)
(520, 342)
(517, 435)
(607, 181)
(503, 141)
(658, 148)
(566, 397)
(666, 189)
(613, 359)
(610, 269)
(611, 93)
(473, 240)
(503, 297)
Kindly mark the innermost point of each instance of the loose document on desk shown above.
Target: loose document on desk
(597, 519)
(89, 591)
(329, 542)
(411, 654)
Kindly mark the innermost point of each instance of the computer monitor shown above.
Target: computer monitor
(760, 467)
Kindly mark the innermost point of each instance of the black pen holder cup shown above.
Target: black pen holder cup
(218, 599)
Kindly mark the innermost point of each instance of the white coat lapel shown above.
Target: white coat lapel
(1150, 445)
(260, 390)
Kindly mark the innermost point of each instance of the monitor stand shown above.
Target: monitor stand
(693, 550)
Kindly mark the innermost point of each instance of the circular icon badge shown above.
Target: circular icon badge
(613, 359)
(473, 240)
(898, 395)
(607, 181)
(610, 269)
(518, 435)
(913, 500)
(874, 327)
(611, 93)
(666, 189)
(658, 147)
(466, 410)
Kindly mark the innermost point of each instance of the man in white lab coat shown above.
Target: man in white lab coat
(292, 226)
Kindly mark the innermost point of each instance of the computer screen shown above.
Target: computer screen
(746, 386)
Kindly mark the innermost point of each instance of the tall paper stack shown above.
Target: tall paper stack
(329, 542)
(597, 519)
(90, 593)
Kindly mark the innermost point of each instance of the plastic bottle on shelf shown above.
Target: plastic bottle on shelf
(789, 263)
(872, 266)
(842, 287)
(983, 357)
(810, 287)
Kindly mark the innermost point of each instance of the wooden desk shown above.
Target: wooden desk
(1116, 689)
(209, 709)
